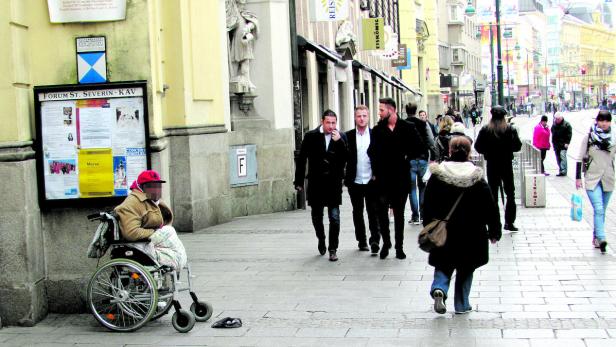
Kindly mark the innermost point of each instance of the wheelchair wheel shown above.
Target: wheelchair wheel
(122, 295)
(163, 307)
(183, 321)
(202, 310)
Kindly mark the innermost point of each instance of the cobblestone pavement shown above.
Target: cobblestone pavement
(544, 286)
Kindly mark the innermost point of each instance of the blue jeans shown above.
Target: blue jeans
(599, 199)
(418, 170)
(464, 280)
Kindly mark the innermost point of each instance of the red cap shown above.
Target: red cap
(148, 176)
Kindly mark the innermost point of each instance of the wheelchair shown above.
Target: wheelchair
(132, 289)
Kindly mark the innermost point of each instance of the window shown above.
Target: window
(456, 54)
(453, 13)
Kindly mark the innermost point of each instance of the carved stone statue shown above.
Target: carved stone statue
(242, 28)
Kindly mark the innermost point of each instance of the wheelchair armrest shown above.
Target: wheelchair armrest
(146, 240)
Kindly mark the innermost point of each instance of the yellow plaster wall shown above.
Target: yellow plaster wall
(408, 36)
(431, 56)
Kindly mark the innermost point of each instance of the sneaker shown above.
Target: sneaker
(384, 252)
(322, 248)
(363, 247)
(510, 227)
(374, 247)
(603, 246)
(333, 256)
(400, 254)
(595, 243)
(439, 301)
(465, 311)
(414, 220)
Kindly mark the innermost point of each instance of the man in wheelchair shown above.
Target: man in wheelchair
(142, 216)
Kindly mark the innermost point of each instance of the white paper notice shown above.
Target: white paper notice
(95, 124)
(136, 162)
(59, 129)
(61, 180)
(129, 129)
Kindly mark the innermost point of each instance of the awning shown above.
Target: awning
(405, 86)
(321, 50)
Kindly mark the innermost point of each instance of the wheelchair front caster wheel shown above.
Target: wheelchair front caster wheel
(183, 321)
(202, 310)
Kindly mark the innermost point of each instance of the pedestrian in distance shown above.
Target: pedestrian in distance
(458, 129)
(325, 151)
(393, 143)
(423, 115)
(541, 140)
(442, 140)
(468, 232)
(419, 163)
(599, 147)
(358, 179)
(561, 137)
(497, 141)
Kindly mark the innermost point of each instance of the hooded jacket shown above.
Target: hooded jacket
(541, 137)
(475, 220)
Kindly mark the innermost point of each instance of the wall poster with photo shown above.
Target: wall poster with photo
(92, 142)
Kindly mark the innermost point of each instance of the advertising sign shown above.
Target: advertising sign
(69, 11)
(328, 10)
(92, 140)
(373, 34)
(402, 60)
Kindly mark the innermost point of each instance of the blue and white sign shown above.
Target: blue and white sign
(91, 60)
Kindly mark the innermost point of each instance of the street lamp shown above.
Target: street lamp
(470, 10)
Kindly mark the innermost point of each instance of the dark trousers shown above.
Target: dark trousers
(333, 212)
(543, 152)
(397, 201)
(501, 173)
(359, 194)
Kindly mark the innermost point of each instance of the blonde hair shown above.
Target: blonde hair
(361, 107)
(445, 123)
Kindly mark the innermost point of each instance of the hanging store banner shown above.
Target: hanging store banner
(403, 58)
(328, 10)
(373, 34)
(71, 11)
(390, 52)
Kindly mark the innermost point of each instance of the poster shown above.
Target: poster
(96, 172)
(67, 11)
(93, 141)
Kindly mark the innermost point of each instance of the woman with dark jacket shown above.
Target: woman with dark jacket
(468, 232)
(497, 141)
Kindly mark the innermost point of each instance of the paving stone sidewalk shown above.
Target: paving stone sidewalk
(544, 286)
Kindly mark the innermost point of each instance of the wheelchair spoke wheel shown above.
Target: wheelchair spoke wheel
(122, 295)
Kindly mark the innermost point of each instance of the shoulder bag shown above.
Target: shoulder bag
(434, 234)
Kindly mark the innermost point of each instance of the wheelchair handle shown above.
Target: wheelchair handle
(95, 216)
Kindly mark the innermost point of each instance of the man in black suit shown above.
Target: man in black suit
(358, 179)
(325, 149)
(393, 143)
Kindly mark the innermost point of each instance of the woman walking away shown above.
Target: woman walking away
(599, 147)
(541, 140)
(497, 141)
(442, 140)
(468, 232)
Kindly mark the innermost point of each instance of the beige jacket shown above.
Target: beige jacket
(601, 168)
(140, 217)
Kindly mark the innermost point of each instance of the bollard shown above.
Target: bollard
(534, 190)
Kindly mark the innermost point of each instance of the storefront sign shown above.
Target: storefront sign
(328, 10)
(92, 141)
(70, 11)
(373, 34)
(403, 60)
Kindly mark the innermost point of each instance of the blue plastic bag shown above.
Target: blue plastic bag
(576, 207)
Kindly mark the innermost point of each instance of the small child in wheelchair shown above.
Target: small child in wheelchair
(143, 215)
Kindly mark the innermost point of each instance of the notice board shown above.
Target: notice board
(92, 142)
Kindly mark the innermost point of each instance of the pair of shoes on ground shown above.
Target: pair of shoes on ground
(439, 303)
(602, 245)
(385, 252)
(415, 221)
(510, 227)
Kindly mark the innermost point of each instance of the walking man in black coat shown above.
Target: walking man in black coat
(325, 149)
(358, 179)
(561, 137)
(393, 143)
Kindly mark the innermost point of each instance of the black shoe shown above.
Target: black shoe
(562, 174)
(333, 256)
(384, 252)
(322, 247)
(510, 227)
(603, 246)
(414, 220)
(374, 247)
(400, 254)
(363, 247)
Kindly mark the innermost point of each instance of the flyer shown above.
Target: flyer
(129, 129)
(61, 179)
(119, 176)
(95, 123)
(59, 129)
(96, 173)
(136, 162)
